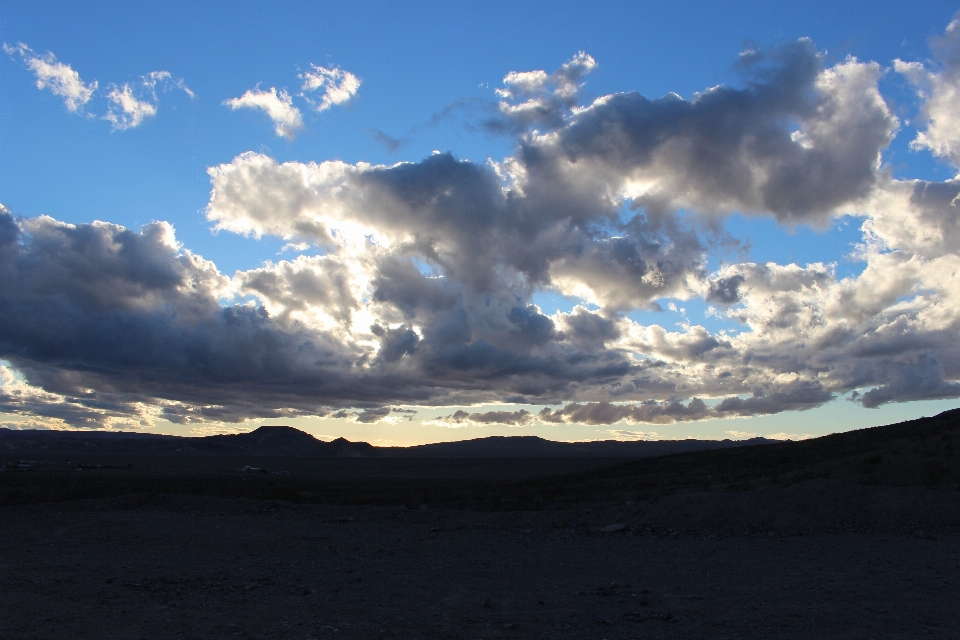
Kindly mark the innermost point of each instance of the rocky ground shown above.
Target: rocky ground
(148, 566)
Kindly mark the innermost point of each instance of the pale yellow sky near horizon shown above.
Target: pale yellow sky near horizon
(837, 416)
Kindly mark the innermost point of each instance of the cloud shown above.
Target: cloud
(424, 287)
(389, 143)
(461, 418)
(126, 111)
(804, 395)
(278, 106)
(604, 413)
(60, 79)
(622, 434)
(372, 415)
(939, 90)
(920, 380)
(798, 141)
(166, 82)
(334, 86)
(535, 98)
(322, 88)
(800, 397)
(130, 104)
(17, 397)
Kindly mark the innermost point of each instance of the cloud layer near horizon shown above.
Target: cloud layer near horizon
(422, 292)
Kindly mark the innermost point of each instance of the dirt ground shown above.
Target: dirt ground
(206, 567)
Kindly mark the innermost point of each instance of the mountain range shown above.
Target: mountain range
(287, 441)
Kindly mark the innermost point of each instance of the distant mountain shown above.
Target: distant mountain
(264, 441)
(535, 447)
(287, 441)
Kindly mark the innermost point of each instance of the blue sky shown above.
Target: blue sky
(427, 77)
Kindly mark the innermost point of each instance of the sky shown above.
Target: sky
(418, 222)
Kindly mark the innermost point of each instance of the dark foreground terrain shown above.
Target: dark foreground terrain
(854, 535)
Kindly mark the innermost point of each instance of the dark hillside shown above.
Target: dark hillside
(917, 453)
(283, 463)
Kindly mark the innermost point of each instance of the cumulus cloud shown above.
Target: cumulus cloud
(798, 141)
(60, 79)
(939, 88)
(424, 289)
(536, 98)
(278, 105)
(332, 86)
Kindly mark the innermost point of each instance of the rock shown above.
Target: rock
(611, 528)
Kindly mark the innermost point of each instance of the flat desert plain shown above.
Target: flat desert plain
(850, 536)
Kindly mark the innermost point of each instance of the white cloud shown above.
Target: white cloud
(278, 106)
(532, 98)
(59, 78)
(334, 86)
(940, 91)
(131, 105)
(125, 110)
(166, 82)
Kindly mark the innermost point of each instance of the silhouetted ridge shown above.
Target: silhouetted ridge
(288, 441)
(280, 438)
(536, 447)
